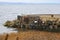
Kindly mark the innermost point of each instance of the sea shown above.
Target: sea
(10, 12)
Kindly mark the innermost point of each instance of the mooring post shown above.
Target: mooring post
(17, 38)
(6, 37)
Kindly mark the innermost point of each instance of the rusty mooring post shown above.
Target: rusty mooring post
(17, 38)
(6, 37)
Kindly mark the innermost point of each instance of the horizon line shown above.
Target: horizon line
(30, 3)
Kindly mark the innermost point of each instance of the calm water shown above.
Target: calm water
(9, 12)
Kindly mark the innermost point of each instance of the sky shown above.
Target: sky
(32, 1)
